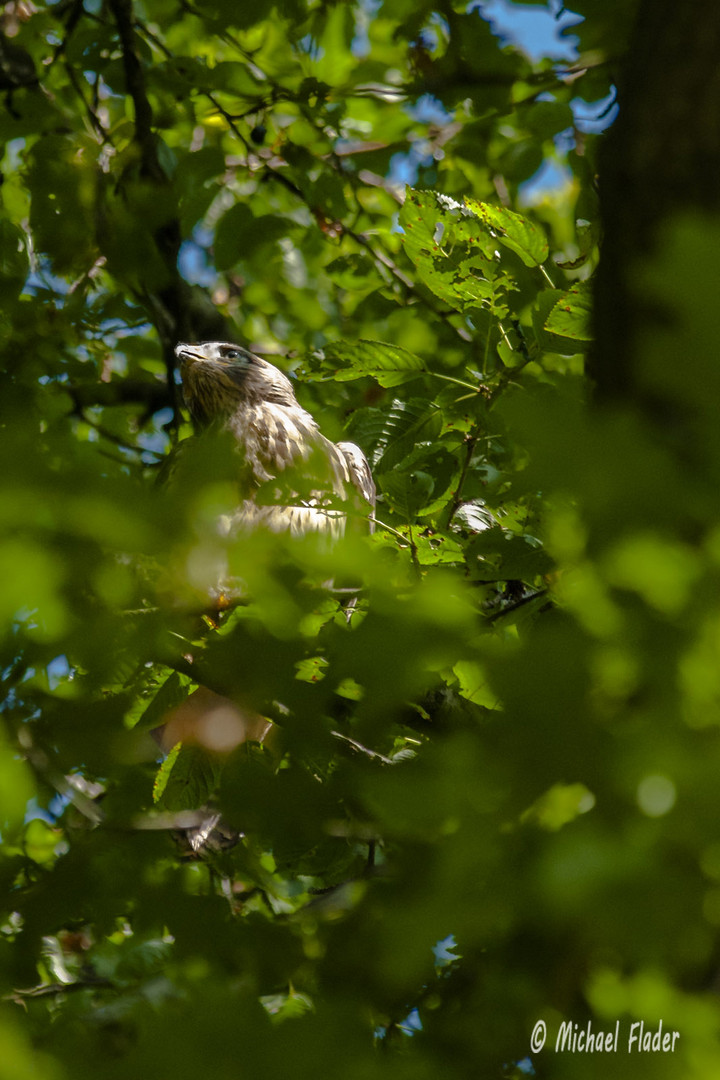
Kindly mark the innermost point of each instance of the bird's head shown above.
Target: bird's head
(218, 377)
(221, 353)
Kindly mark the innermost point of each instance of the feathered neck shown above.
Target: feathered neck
(216, 391)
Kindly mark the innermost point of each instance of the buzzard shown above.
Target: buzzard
(291, 478)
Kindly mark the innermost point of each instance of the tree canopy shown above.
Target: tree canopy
(491, 796)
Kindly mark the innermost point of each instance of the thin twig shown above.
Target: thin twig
(456, 501)
(53, 989)
(478, 388)
(95, 121)
(107, 434)
(372, 754)
(41, 765)
(509, 608)
(389, 529)
(414, 552)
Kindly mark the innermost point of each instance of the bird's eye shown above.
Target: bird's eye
(232, 354)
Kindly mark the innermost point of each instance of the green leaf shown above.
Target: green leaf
(571, 315)
(239, 235)
(407, 492)
(40, 842)
(311, 669)
(355, 273)
(334, 61)
(474, 684)
(290, 1006)
(499, 555)
(163, 774)
(14, 261)
(389, 364)
(62, 207)
(197, 184)
(405, 425)
(520, 160)
(436, 550)
(547, 118)
(455, 257)
(160, 691)
(514, 231)
(559, 806)
(15, 786)
(440, 464)
(186, 779)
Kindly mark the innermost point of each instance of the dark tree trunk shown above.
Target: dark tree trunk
(661, 158)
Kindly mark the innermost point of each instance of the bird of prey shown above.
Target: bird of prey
(291, 478)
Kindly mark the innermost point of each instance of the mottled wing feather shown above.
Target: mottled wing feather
(280, 440)
(295, 520)
(359, 474)
(290, 478)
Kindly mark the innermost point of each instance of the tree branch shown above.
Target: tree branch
(135, 82)
(153, 394)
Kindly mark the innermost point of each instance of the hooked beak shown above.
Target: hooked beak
(188, 354)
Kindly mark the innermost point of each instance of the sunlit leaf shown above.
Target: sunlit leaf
(514, 231)
(454, 255)
(571, 315)
(186, 779)
(389, 364)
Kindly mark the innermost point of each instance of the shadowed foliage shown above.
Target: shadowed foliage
(490, 795)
